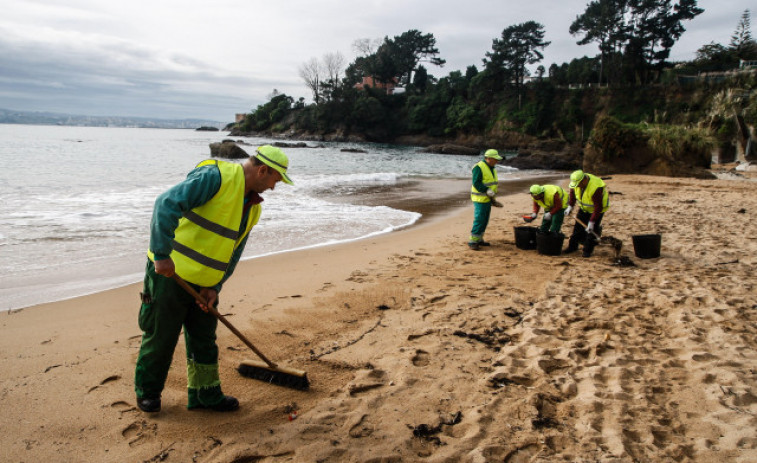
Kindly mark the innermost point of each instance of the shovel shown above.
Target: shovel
(616, 243)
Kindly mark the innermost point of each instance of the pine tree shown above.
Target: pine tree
(742, 44)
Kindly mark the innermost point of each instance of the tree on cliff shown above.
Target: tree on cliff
(519, 46)
(656, 26)
(714, 57)
(323, 77)
(643, 30)
(311, 72)
(410, 49)
(265, 116)
(602, 22)
(396, 58)
(742, 44)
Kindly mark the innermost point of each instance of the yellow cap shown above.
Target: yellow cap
(576, 177)
(492, 153)
(276, 159)
(536, 190)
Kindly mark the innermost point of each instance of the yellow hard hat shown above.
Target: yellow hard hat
(276, 159)
(492, 153)
(536, 190)
(576, 177)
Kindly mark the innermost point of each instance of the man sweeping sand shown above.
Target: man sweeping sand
(419, 350)
(198, 232)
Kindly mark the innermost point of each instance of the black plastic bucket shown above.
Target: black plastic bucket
(525, 237)
(647, 246)
(549, 244)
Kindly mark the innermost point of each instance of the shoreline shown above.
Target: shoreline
(432, 198)
(497, 353)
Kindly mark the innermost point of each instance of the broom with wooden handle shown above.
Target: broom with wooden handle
(266, 370)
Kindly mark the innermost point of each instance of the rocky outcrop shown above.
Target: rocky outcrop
(640, 160)
(547, 154)
(227, 150)
(617, 148)
(281, 144)
(448, 148)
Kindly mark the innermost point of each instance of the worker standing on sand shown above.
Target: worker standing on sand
(593, 199)
(198, 231)
(483, 191)
(554, 200)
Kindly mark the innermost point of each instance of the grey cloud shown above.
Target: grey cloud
(109, 69)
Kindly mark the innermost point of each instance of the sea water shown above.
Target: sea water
(76, 202)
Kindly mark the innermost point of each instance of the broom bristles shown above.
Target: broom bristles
(281, 376)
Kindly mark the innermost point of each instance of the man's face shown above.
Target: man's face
(491, 161)
(267, 179)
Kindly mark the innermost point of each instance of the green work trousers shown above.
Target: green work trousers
(554, 223)
(481, 214)
(166, 308)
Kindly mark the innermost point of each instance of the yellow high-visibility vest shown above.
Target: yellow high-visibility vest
(208, 235)
(584, 197)
(489, 179)
(549, 197)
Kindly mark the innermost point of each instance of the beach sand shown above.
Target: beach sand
(419, 349)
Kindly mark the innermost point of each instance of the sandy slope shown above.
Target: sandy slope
(421, 350)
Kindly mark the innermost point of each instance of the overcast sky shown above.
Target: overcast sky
(211, 59)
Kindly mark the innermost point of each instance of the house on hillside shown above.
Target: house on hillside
(369, 81)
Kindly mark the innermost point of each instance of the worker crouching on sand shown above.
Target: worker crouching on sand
(198, 231)
(483, 192)
(593, 199)
(554, 200)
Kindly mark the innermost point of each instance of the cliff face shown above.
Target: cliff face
(617, 148)
(640, 160)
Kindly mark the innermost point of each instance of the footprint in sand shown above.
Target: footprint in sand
(123, 407)
(139, 431)
(105, 381)
(421, 358)
(523, 454)
(362, 428)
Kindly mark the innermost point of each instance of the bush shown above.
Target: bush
(680, 143)
(612, 137)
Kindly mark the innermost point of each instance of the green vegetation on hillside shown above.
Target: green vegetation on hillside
(629, 79)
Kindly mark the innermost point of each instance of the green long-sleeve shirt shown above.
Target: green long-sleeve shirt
(198, 188)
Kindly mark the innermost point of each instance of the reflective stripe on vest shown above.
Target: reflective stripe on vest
(208, 235)
(584, 198)
(549, 197)
(490, 181)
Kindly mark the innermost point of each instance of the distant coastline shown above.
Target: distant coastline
(10, 116)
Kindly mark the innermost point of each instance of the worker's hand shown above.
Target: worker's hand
(165, 267)
(568, 210)
(547, 216)
(490, 193)
(210, 295)
(590, 227)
